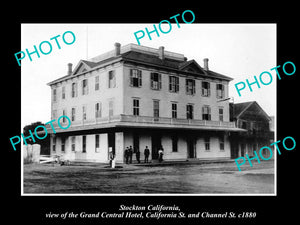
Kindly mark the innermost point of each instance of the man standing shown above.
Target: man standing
(146, 153)
(130, 154)
(137, 155)
(126, 154)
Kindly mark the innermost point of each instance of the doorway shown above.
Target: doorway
(191, 147)
(156, 143)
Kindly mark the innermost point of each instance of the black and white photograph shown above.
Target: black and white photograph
(129, 114)
(160, 117)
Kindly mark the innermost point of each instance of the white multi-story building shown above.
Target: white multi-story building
(141, 96)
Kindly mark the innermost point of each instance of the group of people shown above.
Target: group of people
(129, 153)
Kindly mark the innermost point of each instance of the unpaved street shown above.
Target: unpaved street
(186, 178)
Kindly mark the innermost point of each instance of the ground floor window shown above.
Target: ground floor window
(73, 146)
(207, 143)
(221, 141)
(63, 141)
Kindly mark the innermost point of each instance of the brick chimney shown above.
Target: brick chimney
(70, 68)
(205, 64)
(161, 52)
(117, 49)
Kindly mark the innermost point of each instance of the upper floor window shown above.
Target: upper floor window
(111, 79)
(155, 81)
(98, 109)
(189, 111)
(220, 91)
(73, 114)
(174, 110)
(206, 113)
(205, 89)
(221, 112)
(136, 107)
(54, 95)
(156, 108)
(63, 92)
(173, 84)
(74, 90)
(111, 108)
(135, 78)
(84, 84)
(190, 86)
(97, 83)
(83, 112)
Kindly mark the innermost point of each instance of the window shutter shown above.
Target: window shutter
(194, 87)
(151, 79)
(159, 81)
(131, 77)
(140, 77)
(170, 83)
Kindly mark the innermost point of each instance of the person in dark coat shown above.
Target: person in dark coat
(146, 153)
(126, 154)
(137, 155)
(130, 154)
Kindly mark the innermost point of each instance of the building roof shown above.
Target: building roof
(240, 108)
(147, 56)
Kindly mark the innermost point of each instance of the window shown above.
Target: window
(206, 113)
(111, 79)
(174, 143)
(54, 95)
(54, 144)
(83, 112)
(63, 92)
(220, 91)
(54, 114)
(136, 107)
(84, 84)
(155, 108)
(97, 142)
(74, 90)
(173, 84)
(205, 89)
(98, 110)
(73, 114)
(84, 143)
(189, 112)
(96, 83)
(64, 113)
(135, 78)
(73, 145)
(207, 143)
(63, 141)
(174, 110)
(111, 108)
(221, 141)
(190, 86)
(221, 113)
(155, 81)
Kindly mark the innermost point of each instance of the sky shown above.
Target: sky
(240, 51)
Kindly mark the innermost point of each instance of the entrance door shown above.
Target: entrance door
(242, 149)
(156, 143)
(191, 147)
(111, 142)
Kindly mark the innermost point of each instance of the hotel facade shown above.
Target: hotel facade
(139, 96)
